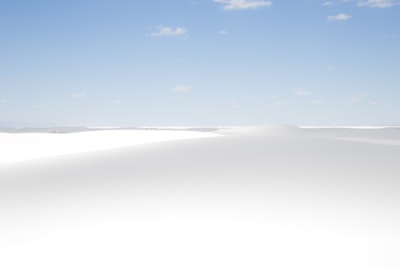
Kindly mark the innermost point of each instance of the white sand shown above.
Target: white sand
(28, 146)
(260, 196)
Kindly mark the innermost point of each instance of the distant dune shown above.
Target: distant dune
(246, 196)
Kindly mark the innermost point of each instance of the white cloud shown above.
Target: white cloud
(327, 3)
(243, 4)
(169, 31)
(181, 89)
(341, 16)
(300, 92)
(378, 3)
(223, 32)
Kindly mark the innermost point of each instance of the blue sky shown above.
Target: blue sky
(200, 62)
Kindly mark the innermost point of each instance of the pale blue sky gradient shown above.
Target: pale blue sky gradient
(204, 62)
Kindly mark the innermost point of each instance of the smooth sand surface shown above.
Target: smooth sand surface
(255, 196)
(15, 147)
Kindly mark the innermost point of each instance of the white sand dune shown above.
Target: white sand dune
(259, 196)
(28, 146)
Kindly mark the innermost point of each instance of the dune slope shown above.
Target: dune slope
(272, 196)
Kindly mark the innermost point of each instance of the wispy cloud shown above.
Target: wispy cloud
(79, 95)
(327, 3)
(169, 31)
(376, 103)
(301, 92)
(354, 99)
(232, 104)
(379, 3)
(314, 102)
(389, 36)
(223, 32)
(181, 88)
(280, 103)
(341, 16)
(3, 100)
(93, 110)
(243, 4)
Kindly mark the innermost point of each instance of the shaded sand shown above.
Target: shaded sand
(259, 196)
